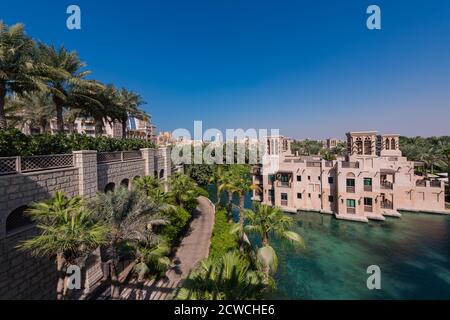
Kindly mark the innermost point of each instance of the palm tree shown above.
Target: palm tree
(62, 71)
(147, 184)
(32, 110)
(229, 277)
(130, 217)
(128, 105)
(217, 179)
(183, 189)
(68, 231)
(228, 186)
(264, 221)
(242, 184)
(17, 65)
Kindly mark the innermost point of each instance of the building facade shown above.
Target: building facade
(372, 182)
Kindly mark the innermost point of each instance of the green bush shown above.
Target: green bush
(179, 219)
(15, 143)
(222, 240)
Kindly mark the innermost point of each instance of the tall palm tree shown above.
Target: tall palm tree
(264, 221)
(130, 217)
(183, 189)
(18, 72)
(128, 105)
(67, 231)
(230, 188)
(229, 277)
(62, 71)
(217, 179)
(33, 110)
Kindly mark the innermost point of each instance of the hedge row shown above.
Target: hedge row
(222, 239)
(14, 143)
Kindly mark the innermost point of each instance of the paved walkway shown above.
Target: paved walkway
(193, 249)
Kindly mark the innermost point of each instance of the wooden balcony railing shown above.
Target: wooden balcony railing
(350, 165)
(351, 210)
(284, 203)
(350, 189)
(367, 188)
(368, 209)
(386, 185)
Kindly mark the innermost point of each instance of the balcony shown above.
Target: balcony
(350, 189)
(368, 209)
(368, 188)
(350, 165)
(351, 210)
(386, 185)
(435, 183)
(421, 183)
(328, 164)
(283, 184)
(386, 204)
(313, 164)
(284, 203)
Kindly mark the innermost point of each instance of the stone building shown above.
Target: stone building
(24, 180)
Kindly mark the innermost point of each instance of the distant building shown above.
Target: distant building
(374, 180)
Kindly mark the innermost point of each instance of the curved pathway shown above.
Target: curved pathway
(193, 249)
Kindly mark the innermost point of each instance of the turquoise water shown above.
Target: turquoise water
(413, 253)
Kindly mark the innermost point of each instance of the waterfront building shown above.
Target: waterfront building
(373, 181)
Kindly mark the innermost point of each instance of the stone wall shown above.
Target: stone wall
(25, 277)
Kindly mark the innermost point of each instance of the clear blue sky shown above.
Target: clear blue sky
(310, 68)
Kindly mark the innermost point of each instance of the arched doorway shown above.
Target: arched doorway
(18, 219)
(110, 187)
(125, 183)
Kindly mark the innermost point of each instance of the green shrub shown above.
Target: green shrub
(179, 220)
(222, 240)
(15, 143)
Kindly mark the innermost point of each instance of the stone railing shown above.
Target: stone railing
(118, 156)
(13, 165)
(313, 164)
(421, 183)
(435, 184)
(350, 165)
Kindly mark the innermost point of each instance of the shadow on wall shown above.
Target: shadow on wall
(23, 276)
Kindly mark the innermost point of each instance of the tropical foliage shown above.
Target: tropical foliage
(14, 143)
(222, 239)
(229, 277)
(67, 232)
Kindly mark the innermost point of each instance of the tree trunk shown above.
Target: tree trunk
(60, 262)
(114, 282)
(98, 127)
(230, 206)
(59, 114)
(3, 124)
(265, 239)
(124, 127)
(140, 285)
(241, 220)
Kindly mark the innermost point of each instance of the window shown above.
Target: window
(309, 178)
(368, 202)
(350, 182)
(351, 203)
(368, 181)
(309, 195)
(318, 178)
(330, 180)
(330, 198)
(320, 196)
(299, 178)
(284, 196)
(299, 195)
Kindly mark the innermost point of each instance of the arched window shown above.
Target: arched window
(393, 147)
(368, 146)
(359, 146)
(110, 187)
(125, 183)
(155, 174)
(17, 219)
(386, 144)
(161, 174)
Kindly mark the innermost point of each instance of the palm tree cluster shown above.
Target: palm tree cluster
(126, 224)
(39, 82)
(244, 273)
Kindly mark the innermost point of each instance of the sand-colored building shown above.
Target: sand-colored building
(372, 182)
